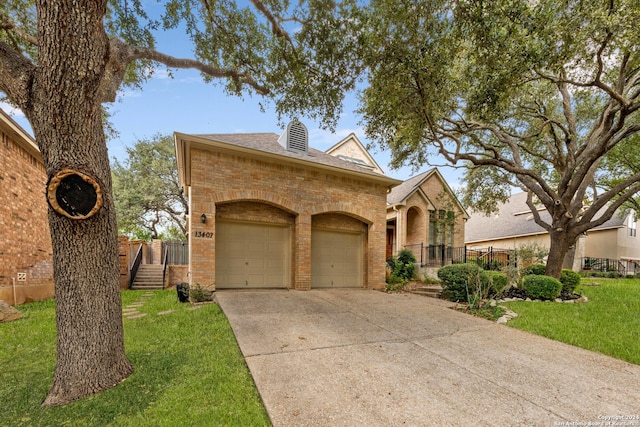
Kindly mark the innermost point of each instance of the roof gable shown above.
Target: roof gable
(401, 193)
(352, 150)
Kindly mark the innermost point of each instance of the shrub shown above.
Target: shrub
(403, 266)
(461, 281)
(536, 269)
(498, 282)
(428, 280)
(200, 294)
(494, 265)
(569, 279)
(542, 287)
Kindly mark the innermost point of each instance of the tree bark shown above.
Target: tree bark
(67, 123)
(561, 242)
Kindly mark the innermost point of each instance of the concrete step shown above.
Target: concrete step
(433, 291)
(144, 287)
(149, 277)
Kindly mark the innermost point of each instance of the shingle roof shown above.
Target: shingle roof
(513, 219)
(404, 190)
(268, 143)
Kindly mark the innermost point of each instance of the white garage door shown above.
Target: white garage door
(252, 255)
(336, 259)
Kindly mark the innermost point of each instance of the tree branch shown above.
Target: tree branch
(8, 25)
(123, 54)
(16, 76)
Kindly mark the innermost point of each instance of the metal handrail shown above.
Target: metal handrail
(134, 267)
(164, 264)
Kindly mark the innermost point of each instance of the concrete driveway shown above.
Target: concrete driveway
(366, 358)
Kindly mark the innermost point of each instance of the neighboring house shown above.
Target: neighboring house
(26, 269)
(425, 216)
(268, 211)
(514, 226)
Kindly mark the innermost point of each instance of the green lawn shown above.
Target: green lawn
(188, 371)
(608, 323)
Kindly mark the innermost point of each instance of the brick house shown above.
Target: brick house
(26, 268)
(266, 210)
(425, 216)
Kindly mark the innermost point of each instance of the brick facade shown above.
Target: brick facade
(411, 219)
(244, 186)
(26, 266)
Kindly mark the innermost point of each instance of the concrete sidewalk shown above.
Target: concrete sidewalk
(366, 358)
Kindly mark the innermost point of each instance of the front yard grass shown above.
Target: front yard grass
(608, 323)
(188, 371)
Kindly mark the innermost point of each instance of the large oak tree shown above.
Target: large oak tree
(150, 203)
(527, 93)
(61, 60)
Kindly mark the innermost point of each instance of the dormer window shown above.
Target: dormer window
(295, 138)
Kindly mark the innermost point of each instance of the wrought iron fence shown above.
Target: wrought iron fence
(440, 255)
(622, 267)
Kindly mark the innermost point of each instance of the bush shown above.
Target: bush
(461, 281)
(536, 269)
(199, 293)
(498, 282)
(542, 287)
(569, 279)
(403, 267)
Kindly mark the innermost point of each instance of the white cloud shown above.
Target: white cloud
(11, 110)
(320, 138)
(161, 74)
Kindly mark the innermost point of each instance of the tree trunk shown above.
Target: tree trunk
(561, 242)
(67, 123)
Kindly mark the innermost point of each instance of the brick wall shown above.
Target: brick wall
(413, 219)
(25, 242)
(293, 193)
(124, 261)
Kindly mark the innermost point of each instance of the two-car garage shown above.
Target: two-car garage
(252, 255)
(268, 211)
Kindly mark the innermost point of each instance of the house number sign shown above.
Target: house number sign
(203, 234)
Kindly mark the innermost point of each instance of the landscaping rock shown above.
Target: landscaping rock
(502, 320)
(8, 313)
(511, 314)
(493, 303)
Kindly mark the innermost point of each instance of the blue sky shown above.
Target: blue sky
(185, 103)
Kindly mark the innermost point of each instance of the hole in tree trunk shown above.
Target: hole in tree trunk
(74, 194)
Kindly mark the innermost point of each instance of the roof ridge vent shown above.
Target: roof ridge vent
(295, 137)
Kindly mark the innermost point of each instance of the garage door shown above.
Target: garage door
(336, 259)
(250, 255)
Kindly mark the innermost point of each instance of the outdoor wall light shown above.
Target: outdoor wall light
(203, 218)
